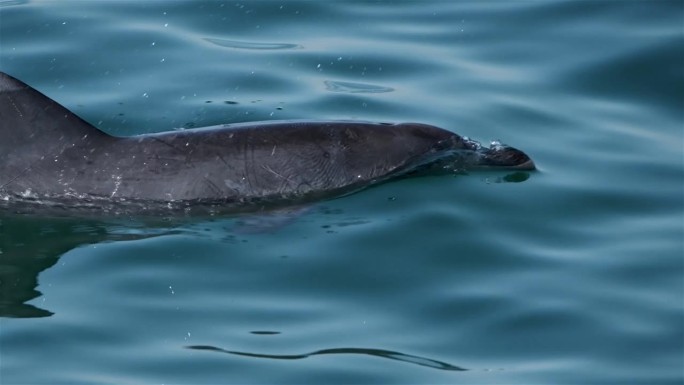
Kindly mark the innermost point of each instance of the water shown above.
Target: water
(573, 275)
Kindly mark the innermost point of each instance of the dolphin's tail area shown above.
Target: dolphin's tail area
(29, 118)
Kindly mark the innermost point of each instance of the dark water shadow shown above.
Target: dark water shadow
(514, 177)
(28, 246)
(31, 244)
(381, 353)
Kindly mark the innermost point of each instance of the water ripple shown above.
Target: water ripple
(251, 45)
(411, 359)
(354, 88)
(9, 3)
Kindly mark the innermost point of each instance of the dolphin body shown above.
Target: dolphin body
(48, 155)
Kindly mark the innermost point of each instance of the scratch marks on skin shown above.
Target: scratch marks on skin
(222, 159)
(117, 184)
(234, 186)
(212, 186)
(16, 108)
(166, 143)
(248, 154)
(22, 173)
(269, 169)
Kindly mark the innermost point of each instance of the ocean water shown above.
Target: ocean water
(572, 275)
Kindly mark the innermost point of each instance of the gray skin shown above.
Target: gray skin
(48, 153)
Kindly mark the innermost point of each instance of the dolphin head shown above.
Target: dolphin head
(503, 156)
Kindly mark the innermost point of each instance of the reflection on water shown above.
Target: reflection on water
(388, 354)
(29, 246)
(24, 253)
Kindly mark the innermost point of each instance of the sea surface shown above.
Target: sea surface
(572, 274)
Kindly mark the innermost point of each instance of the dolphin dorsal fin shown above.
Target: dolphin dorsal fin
(29, 118)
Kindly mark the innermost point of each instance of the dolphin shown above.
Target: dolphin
(48, 155)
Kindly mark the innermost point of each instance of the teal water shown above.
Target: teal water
(574, 275)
